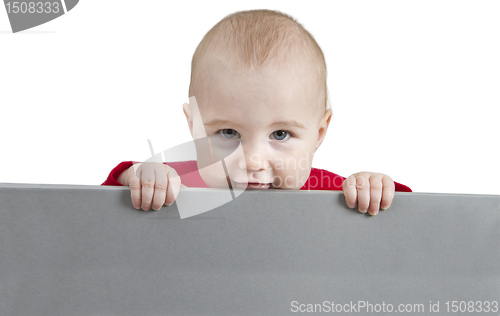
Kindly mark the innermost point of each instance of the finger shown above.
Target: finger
(375, 194)
(387, 192)
(135, 188)
(363, 191)
(349, 188)
(174, 185)
(160, 186)
(147, 182)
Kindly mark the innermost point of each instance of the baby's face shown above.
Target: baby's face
(277, 116)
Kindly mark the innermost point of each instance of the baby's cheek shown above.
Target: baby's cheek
(302, 178)
(214, 176)
(290, 179)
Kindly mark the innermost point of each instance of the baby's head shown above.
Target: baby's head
(259, 80)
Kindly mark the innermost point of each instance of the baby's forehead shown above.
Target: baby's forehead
(242, 107)
(219, 68)
(222, 87)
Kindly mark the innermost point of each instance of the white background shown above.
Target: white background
(414, 88)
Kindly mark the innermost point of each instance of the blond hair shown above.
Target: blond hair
(256, 38)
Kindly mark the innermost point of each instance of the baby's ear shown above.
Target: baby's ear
(189, 116)
(193, 116)
(323, 126)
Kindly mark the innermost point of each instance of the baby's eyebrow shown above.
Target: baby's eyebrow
(289, 123)
(280, 123)
(218, 121)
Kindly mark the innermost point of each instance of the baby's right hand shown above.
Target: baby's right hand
(151, 184)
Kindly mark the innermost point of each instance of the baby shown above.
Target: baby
(258, 82)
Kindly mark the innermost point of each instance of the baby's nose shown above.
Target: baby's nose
(255, 159)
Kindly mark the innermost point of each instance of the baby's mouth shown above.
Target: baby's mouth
(252, 185)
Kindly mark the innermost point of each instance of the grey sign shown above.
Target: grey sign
(84, 250)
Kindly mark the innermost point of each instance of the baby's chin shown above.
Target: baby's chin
(252, 186)
(226, 182)
(259, 186)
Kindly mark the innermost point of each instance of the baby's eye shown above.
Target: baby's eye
(231, 133)
(281, 135)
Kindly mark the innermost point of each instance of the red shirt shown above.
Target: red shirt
(319, 179)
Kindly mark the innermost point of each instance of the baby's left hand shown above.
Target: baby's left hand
(370, 191)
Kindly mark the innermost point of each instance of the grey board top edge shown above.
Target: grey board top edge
(275, 191)
(83, 250)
